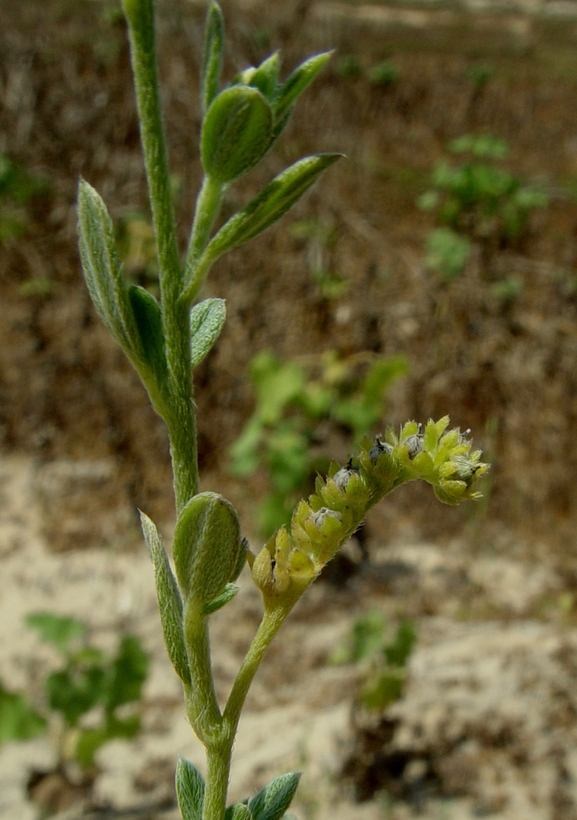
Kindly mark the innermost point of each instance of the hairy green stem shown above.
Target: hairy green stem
(269, 626)
(201, 703)
(218, 760)
(219, 745)
(207, 206)
(180, 417)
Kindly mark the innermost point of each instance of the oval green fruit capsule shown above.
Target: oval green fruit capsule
(236, 133)
(208, 547)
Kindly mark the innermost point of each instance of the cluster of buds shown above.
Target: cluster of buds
(444, 458)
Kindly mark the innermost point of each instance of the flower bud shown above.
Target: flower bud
(343, 476)
(208, 549)
(271, 570)
(262, 570)
(320, 516)
(236, 133)
(414, 445)
(378, 448)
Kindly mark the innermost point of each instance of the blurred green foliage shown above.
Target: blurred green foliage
(349, 67)
(18, 719)
(384, 73)
(475, 201)
(383, 657)
(89, 679)
(18, 188)
(291, 406)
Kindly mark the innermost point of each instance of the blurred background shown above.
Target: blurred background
(433, 271)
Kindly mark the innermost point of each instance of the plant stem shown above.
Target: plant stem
(269, 626)
(201, 703)
(219, 748)
(180, 417)
(140, 17)
(218, 760)
(207, 206)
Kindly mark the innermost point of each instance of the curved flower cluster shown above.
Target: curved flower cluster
(444, 458)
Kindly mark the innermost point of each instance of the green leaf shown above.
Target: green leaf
(384, 689)
(238, 811)
(148, 322)
(244, 452)
(102, 267)
(189, 790)
(265, 77)
(169, 600)
(206, 321)
(398, 651)
(221, 600)
(277, 384)
(273, 801)
(73, 692)
(56, 630)
(288, 457)
(365, 638)
(297, 83)
(129, 671)
(272, 203)
(236, 133)
(18, 720)
(482, 145)
(447, 252)
(212, 55)
(206, 546)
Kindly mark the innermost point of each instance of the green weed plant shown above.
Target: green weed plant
(382, 655)
(87, 681)
(167, 339)
(475, 201)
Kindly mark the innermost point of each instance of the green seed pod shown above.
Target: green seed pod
(208, 549)
(236, 133)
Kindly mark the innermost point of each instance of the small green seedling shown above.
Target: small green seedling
(382, 658)
(18, 718)
(167, 339)
(293, 403)
(89, 680)
(476, 201)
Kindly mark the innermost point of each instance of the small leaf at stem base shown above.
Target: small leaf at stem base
(189, 790)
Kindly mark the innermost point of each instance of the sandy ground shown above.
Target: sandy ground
(486, 724)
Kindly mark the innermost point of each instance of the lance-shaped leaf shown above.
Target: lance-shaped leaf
(206, 321)
(189, 790)
(221, 600)
(273, 801)
(212, 55)
(297, 82)
(236, 133)
(207, 546)
(102, 267)
(238, 811)
(169, 601)
(272, 203)
(148, 322)
(265, 77)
